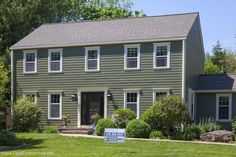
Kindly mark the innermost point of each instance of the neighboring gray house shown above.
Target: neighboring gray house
(83, 68)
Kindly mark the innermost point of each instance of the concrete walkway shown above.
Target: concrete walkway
(156, 140)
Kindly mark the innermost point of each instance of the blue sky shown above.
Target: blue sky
(218, 17)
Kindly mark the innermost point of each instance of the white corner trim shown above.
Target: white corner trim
(97, 48)
(138, 101)
(49, 107)
(138, 57)
(168, 54)
(230, 107)
(12, 75)
(24, 61)
(183, 68)
(49, 59)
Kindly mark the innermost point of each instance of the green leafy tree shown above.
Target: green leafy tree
(211, 68)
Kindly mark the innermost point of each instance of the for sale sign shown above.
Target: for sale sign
(114, 135)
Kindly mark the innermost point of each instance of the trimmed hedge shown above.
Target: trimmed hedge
(104, 123)
(156, 134)
(151, 118)
(138, 129)
(124, 116)
(8, 138)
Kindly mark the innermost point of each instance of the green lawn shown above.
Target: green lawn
(59, 146)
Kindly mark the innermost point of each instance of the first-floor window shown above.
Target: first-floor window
(224, 103)
(55, 103)
(159, 94)
(132, 102)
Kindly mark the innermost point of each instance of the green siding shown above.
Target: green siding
(206, 107)
(112, 76)
(194, 56)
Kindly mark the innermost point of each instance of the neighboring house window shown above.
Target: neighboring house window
(54, 105)
(161, 55)
(92, 58)
(157, 93)
(30, 61)
(55, 60)
(224, 106)
(132, 101)
(132, 57)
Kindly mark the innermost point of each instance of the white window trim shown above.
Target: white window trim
(35, 62)
(49, 60)
(191, 94)
(125, 56)
(156, 90)
(49, 107)
(155, 45)
(230, 107)
(138, 101)
(86, 59)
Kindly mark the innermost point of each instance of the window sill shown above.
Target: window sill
(30, 73)
(132, 69)
(88, 71)
(161, 68)
(54, 118)
(55, 72)
(225, 121)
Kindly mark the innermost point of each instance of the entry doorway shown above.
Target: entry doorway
(91, 103)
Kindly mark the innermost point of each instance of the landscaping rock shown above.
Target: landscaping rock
(218, 136)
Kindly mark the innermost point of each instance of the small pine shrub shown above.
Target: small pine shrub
(8, 139)
(191, 132)
(123, 116)
(156, 135)
(138, 129)
(50, 129)
(104, 123)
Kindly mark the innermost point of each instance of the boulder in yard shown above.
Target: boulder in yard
(218, 136)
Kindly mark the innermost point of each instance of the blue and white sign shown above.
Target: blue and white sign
(114, 135)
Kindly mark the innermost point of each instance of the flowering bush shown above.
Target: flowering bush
(171, 112)
(123, 116)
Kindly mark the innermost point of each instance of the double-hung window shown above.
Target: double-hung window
(224, 106)
(132, 57)
(30, 61)
(157, 93)
(54, 105)
(55, 60)
(161, 55)
(132, 99)
(92, 58)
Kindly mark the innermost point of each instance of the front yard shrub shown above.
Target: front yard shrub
(171, 112)
(189, 133)
(8, 138)
(138, 129)
(26, 115)
(104, 123)
(234, 125)
(123, 116)
(156, 135)
(151, 118)
(50, 129)
(208, 125)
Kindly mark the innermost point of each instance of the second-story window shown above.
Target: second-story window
(132, 57)
(30, 61)
(92, 59)
(161, 55)
(55, 60)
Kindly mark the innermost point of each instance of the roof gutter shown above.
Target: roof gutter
(93, 44)
(216, 91)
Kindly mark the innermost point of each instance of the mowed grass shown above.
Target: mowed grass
(60, 146)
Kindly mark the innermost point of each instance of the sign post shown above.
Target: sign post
(114, 135)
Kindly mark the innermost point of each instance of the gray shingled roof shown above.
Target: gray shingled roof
(109, 31)
(216, 82)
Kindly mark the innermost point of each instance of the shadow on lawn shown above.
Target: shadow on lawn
(25, 143)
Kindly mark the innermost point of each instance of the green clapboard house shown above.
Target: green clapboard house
(83, 68)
